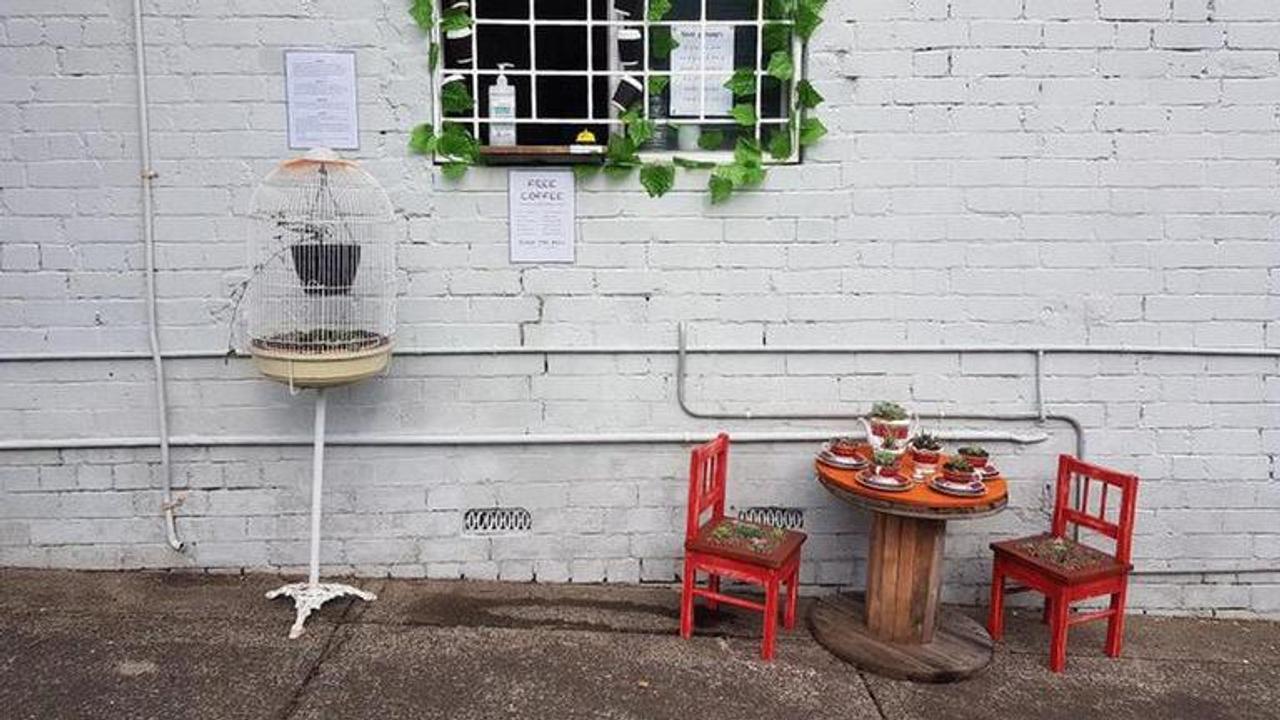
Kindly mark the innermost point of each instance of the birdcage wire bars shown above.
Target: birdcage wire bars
(322, 293)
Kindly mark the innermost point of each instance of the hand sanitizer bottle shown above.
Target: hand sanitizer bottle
(502, 105)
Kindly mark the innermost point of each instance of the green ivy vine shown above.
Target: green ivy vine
(459, 149)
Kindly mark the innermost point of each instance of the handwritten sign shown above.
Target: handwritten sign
(715, 56)
(541, 215)
(320, 90)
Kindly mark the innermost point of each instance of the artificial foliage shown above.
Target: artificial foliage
(454, 143)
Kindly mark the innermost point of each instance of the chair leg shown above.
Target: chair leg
(686, 600)
(713, 584)
(995, 616)
(1115, 624)
(793, 599)
(1058, 634)
(770, 618)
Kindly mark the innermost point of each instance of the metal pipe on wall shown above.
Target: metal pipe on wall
(168, 504)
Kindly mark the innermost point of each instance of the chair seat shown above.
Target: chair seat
(747, 542)
(1062, 559)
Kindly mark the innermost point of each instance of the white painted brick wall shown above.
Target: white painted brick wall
(998, 171)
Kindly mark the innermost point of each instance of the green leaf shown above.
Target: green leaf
(585, 171)
(455, 19)
(779, 9)
(455, 141)
(657, 178)
(423, 139)
(421, 12)
(658, 83)
(776, 36)
(621, 152)
(742, 84)
(780, 65)
(662, 42)
(721, 188)
(811, 130)
(688, 164)
(433, 56)
(640, 130)
(780, 144)
(744, 113)
(455, 97)
(658, 9)
(808, 17)
(711, 139)
(806, 96)
(617, 171)
(454, 170)
(747, 153)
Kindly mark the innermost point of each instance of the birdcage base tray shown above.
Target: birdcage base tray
(307, 598)
(315, 370)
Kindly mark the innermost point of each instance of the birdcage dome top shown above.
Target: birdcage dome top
(320, 187)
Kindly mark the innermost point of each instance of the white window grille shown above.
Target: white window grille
(601, 70)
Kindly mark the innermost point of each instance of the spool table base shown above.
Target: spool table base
(959, 648)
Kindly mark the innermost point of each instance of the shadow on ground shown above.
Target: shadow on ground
(157, 645)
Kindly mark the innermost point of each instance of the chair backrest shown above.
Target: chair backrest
(707, 475)
(1077, 511)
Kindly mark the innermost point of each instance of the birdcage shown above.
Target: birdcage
(322, 302)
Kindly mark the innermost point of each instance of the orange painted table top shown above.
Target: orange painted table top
(920, 501)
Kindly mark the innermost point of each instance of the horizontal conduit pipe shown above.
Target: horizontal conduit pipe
(708, 350)
(682, 400)
(659, 438)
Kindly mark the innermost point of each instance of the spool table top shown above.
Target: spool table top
(920, 501)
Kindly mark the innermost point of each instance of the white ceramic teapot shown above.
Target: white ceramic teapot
(880, 429)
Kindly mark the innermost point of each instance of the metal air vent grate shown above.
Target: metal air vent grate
(787, 518)
(496, 521)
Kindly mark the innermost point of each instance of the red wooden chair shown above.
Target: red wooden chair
(736, 549)
(1066, 571)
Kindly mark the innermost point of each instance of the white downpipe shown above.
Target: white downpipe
(149, 243)
(317, 487)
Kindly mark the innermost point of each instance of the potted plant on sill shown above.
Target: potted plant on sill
(975, 455)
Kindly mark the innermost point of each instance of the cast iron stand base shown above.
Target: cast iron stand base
(308, 598)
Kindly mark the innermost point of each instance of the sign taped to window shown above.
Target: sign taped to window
(715, 56)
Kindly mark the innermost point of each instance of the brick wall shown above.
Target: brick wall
(998, 171)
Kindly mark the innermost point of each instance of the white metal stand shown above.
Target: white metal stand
(310, 595)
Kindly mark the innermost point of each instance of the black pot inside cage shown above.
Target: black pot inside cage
(326, 268)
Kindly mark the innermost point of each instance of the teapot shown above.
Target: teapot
(879, 430)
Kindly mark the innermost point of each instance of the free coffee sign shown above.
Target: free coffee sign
(541, 216)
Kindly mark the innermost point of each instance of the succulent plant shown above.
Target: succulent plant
(883, 458)
(959, 465)
(885, 410)
(925, 441)
(890, 443)
(973, 451)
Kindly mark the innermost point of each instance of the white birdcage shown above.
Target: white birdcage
(321, 305)
(322, 301)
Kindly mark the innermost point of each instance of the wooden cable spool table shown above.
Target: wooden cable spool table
(899, 629)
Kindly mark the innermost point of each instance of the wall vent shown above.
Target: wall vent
(788, 518)
(496, 521)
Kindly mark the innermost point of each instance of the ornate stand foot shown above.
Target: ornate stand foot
(308, 598)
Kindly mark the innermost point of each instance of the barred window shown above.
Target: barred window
(704, 72)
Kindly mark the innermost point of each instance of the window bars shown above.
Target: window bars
(462, 54)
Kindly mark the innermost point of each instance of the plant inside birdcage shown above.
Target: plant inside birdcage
(325, 255)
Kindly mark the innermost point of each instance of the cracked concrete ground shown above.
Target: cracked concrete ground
(168, 645)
